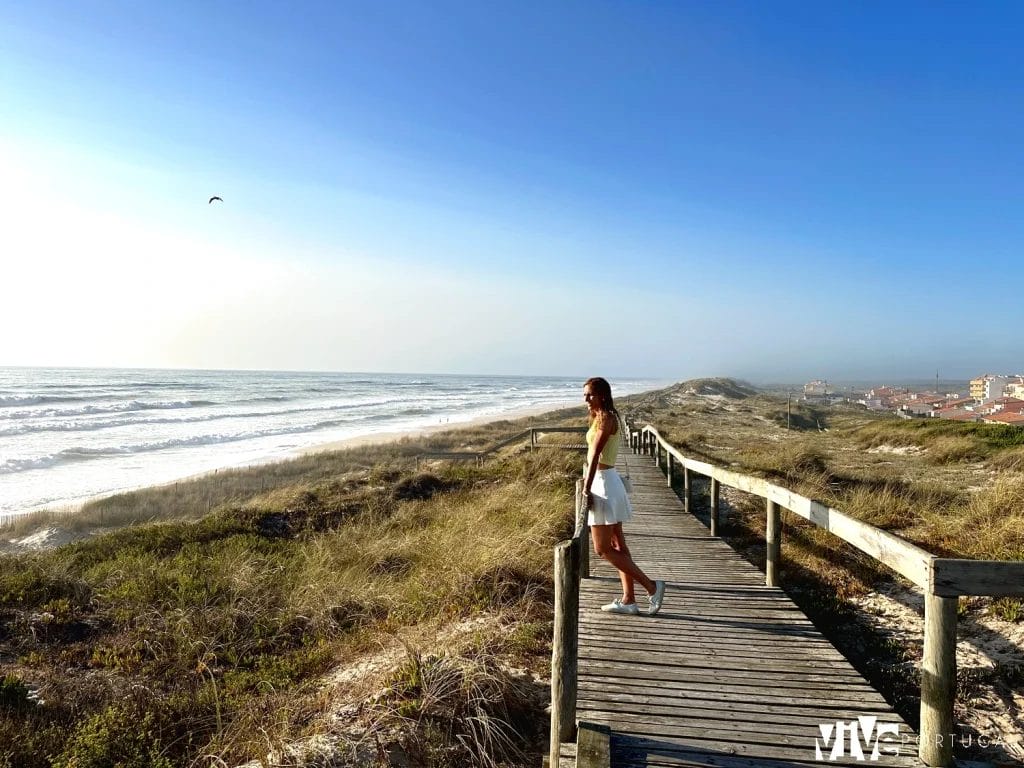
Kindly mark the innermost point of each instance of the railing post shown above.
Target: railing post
(583, 529)
(773, 537)
(533, 439)
(668, 468)
(687, 489)
(657, 453)
(715, 492)
(938, 680)
(564, 646)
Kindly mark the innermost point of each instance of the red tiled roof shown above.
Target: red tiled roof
(963, 417)
(1006, 418)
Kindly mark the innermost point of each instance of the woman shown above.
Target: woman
(608, 503)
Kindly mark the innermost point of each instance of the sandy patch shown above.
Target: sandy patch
(348, 737)
(48, 538)
(899, 450)
(986, 644)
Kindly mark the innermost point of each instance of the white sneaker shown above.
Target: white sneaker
(657, 598)
(617, 606)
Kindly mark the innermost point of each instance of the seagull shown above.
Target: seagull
(215, 198)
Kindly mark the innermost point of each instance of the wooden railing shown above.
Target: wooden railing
(943, 580)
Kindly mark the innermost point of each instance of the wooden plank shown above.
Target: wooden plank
(996, 578)
(705, 693)
(593, 746)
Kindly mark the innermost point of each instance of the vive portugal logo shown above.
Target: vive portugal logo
(865, 735)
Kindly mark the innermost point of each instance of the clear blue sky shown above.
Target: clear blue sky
(773, 190)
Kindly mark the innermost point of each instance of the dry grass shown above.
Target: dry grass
(212, 633)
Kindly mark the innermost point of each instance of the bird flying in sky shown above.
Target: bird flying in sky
(215, 198)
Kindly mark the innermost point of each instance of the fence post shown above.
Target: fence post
(773, 538)
(583, 529)
(715, 493)
(533, 438)
(657, 453)
(938, 680)
(668, 468)
(687, 489)
(564, 646)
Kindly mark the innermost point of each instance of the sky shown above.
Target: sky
(774, 191)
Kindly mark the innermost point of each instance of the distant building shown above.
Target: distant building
(816, 388)
(990, 386)
(1015, 388)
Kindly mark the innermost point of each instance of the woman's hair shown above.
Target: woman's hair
(601, 387)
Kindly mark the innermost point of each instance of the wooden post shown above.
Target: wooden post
(938, 680)
(687, 489)
(773, 536)
(533, 439)
(715, 492)
(668, 468)
(583, 529)
(564, 645)
(657, 454)
(593, 746)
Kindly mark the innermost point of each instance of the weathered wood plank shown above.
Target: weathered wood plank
(997, 578)
(593, 747)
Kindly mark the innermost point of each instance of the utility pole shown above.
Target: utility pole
(789, 408)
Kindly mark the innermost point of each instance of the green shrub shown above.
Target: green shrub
(117, 737)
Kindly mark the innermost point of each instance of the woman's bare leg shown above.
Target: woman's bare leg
(606, 544)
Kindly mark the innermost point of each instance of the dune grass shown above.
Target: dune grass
(955, 492)
(197, 638)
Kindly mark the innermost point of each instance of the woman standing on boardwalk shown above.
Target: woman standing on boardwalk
(608, 503)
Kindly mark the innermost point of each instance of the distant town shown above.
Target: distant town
(991, 398)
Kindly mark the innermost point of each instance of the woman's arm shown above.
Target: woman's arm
(605, 429)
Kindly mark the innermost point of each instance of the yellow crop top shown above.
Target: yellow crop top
(610, 452)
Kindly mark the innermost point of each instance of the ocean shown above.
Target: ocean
(69, 435)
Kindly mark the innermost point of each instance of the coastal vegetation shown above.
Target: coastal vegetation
(357, 604)
(208, 637)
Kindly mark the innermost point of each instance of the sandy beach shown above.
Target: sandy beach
(377, 438)
(373, 438)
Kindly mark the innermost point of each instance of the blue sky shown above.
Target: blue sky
(671, 189)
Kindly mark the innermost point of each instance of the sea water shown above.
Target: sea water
(67, 435)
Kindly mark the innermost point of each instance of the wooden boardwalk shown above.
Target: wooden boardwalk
(730, 673)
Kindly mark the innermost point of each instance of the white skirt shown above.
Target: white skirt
(611, 502)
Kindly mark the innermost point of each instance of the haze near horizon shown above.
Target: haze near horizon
(668, 190)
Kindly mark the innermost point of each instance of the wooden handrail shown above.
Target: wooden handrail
(942, 579)
(482, 454)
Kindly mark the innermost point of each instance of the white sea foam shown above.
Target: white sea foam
(66, 434)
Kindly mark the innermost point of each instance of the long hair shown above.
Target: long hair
(601, 387)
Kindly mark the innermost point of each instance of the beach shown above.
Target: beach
(388, 437)
(68, 436)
